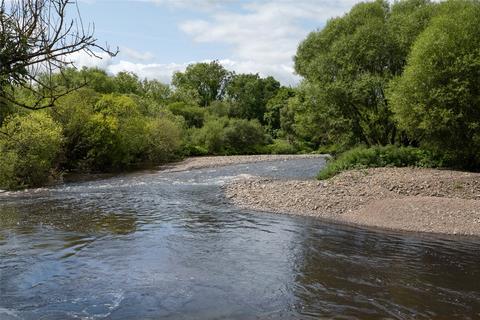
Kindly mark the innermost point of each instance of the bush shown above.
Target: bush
(226, 136)
(114, 132)
(280, 146)
(218, 108)
(29, 145)
(244, 136)
(193, 115)
(164, 140)
(362, 157)
(211, 137)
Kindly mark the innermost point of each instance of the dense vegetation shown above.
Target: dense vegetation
(397, 82)
(405, 73)
(115, 123)
(379, 156)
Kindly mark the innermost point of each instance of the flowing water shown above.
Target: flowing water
(154, 245)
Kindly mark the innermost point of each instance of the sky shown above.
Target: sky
(158, 37)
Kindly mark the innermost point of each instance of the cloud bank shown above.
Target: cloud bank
(262, 35)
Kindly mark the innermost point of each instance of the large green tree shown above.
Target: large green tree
(209, 80)
(249, 94)
(352, 60)
(274, 108)
(437, 98)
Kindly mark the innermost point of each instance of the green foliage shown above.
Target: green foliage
(311, 118)
(156, 91)
(219, 109)
(280, 146)
(350, 63)
(208, 80)
(163, 140)
(274, 107)
(248, 95)
(211, 137)
(94, 78)
(127, 83)
(112, 132)
(29, 145)
(378, 156)
(193, 115)
(244, 136)
(437, 98)
(117, 105)
(227, 136)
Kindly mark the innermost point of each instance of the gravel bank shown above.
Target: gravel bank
(411, 199)
(218, 161)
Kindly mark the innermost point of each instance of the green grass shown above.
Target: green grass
(378, 156)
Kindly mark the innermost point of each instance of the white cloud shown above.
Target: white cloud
(159, 71)
(162, 72)
(83, 59)
(265, 34)
(135, 55)
(206, 5)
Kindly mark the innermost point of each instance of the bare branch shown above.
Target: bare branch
(36, 39)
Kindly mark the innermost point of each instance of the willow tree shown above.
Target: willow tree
(437, 98)
(351, 61)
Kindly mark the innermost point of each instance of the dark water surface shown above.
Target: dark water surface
(156, 245)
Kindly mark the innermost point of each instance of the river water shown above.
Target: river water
(168, 245)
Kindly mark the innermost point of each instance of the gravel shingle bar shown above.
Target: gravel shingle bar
(410, 199)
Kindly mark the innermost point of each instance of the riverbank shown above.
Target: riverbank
(410, 199)
(219, 161)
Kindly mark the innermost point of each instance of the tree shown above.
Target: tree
(249, 94)
(71, 78)
(127, 82)
(156, 91)
(352, 60)
(29, 145)
(38, 37)
(193, 115)
(274, 107)
(437, 98)
(209, 80)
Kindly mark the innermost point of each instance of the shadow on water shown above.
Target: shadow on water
(373, 275)
(47, 215)
(169, 245)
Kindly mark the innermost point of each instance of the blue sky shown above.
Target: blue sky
(158, 37)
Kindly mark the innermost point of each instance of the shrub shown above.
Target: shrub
(112, 143)
(362, 157)
(218, 108)
(244, 136)
(29, 145)
(280, 146)
(226, 136)
(164, 140)
(193, 115)
(99, 142)
(211, 137)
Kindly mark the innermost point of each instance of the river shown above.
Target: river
(158, 244)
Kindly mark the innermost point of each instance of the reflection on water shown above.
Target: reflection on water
(24, 220)
(169, 245)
